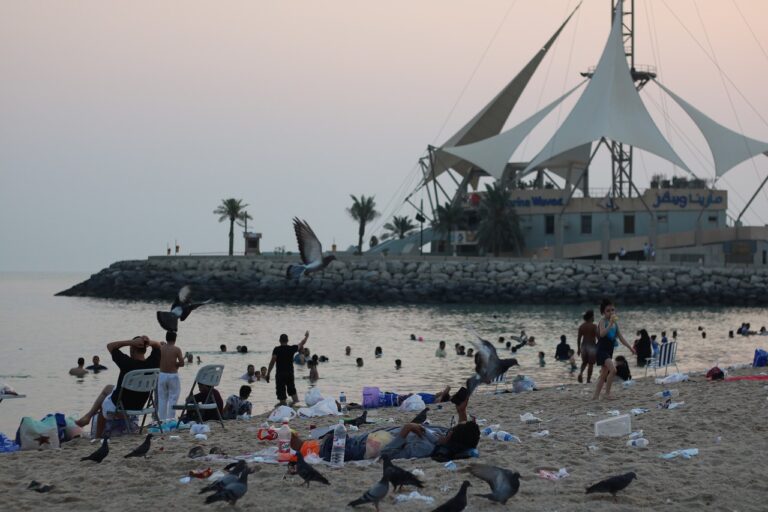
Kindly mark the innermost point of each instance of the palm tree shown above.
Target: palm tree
(363, 210)
(447, 219)
(399, 227)
(234, 210)
(499, 226)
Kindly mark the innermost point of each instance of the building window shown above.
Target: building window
(549, 224)
(629, 224)
(586, 224)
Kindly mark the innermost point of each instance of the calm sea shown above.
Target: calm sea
(41, 337)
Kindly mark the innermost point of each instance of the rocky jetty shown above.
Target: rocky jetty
(429, 280)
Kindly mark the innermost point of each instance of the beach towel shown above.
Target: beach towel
(747, 377)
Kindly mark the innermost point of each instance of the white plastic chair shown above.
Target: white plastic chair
(209, 375)
(666, 357)
(139, 381)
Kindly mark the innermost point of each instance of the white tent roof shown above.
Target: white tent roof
(493, 153)
(610, 107)
(728, 147)
(490, 120)
(571, 164)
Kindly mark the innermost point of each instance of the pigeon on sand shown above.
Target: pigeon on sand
(232, 477)
(305, 471)
(142, 449)
(613, 484)
(373, 495)
(100, 453)
(232, 491)
(458, 502)
(504, 483)
(398, 476)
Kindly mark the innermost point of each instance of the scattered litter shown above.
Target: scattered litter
(614, 427)
(490, 430)
(199, 428)
(543, 433)
(529, 418)
(669, 405)
(174, 438)
(450, 465)
(217, 475)
(686, 454)
(185, 480)
(201, 437)
(200, 473)
(505, 436)
(591, 414)
(414, 496)
(614, 412)
(718, 439)
(628, 383)
(638, 411)
(553, 475)
(673, 378)
(418, 472)
(481, 422)
(593, 448)
(353, 428)
(636, 435)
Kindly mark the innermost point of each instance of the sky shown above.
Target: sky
(124, 124)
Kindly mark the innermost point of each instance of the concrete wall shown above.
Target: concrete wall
(429, 280)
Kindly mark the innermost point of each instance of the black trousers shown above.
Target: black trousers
(284, 386)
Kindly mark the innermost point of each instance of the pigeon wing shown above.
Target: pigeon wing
(184, 294)
(310, 248)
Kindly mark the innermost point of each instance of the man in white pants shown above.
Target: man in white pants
(168, 385)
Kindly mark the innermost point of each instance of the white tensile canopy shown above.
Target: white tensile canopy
(610, 108)
(493, 153)
(490, 120)
(728, 147)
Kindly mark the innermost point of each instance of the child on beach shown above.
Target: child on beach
(572, 361)
(168, 384)
(237, 405)
(542, 362)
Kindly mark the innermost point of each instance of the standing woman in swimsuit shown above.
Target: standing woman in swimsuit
(607, 333)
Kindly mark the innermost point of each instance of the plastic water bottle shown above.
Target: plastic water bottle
(343, 402)
(505, 436)
(638, 443)
(667, 393)
(636, 435)
(339, 444)
(284, 442)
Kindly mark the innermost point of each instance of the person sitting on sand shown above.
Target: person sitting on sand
(237, 405)
(404, 442)
(440, 352)
(622, 368)
(250, 376)
(562, 349)
(96, 367)
(106, 402)
(79, 371)
(206, 414)
(542, 361)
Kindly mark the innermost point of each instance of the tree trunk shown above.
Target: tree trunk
(360, 233)
(231, 236)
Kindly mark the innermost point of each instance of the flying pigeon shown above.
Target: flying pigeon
(305, 471)
(232, 477)
(180, 309)
(373, 495)
(504, 483)
(421, 417)
(458, 502)
(99, 454)
(232, 491)
(398, 476)
(488, 366)
(360, 420)
(613, 484)
(311, 252)
(142, 449)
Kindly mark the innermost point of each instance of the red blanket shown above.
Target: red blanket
(747, 377)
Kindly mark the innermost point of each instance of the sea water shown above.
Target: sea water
(41, 337)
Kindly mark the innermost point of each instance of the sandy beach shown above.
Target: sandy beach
(726, 421)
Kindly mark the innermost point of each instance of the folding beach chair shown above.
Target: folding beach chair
(666, 357)
(140, 381)
(209, 375)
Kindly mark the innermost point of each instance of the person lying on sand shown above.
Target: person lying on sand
(408, 441)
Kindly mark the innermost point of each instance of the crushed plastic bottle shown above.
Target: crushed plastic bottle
(505, 436)
(636, 435)
(667, 393)
(638, 443)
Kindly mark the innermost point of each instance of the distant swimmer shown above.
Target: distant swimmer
(96, 367)
(180, 309)
(223, 347)
(310, 250)
(359, 362)
(79, 371)
(378, 352)
(348, 351)
(398, 364)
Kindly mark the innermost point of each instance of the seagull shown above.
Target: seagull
(305, 471)
(142, 449)
(613, 484)
(311, 251)
(421, 417)
(373, 495)
(398, 476)
(504, 483)
(232, 477)
(232, 491)
(180, 310)
(488, 366)
(99, 454)
(458, 502)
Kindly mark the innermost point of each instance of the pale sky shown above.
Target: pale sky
(124, 124)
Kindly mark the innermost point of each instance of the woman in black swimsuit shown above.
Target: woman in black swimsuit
(607, 332)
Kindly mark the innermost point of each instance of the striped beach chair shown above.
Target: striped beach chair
(666, 357)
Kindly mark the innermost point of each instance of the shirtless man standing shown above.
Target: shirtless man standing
(168, 384)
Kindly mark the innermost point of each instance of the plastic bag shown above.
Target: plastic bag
(281, 412)
(673, 378)
(523, 383)
(413, 403)
(312, 396)
(325, 407)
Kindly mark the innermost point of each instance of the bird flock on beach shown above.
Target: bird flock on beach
(231, 487)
